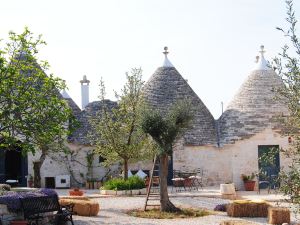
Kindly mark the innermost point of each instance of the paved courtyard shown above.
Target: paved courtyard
(113, 208)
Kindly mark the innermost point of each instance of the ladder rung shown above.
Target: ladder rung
(153, 205)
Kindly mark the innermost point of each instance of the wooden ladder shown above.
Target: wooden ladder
(153, 187)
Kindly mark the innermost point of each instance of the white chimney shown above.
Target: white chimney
(84, 92)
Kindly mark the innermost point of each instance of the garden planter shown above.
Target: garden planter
(227, 189)
(249, 185)
(108, 192)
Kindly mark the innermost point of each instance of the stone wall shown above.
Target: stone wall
(74, 165)
(226, 164)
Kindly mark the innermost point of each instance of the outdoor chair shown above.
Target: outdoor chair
(198, 178)
(267, 181)
(178, 182)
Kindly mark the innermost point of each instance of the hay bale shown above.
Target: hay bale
(279, 215)
(247, 208)
(237, 222)
(82, 207)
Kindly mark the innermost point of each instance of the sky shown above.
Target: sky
(212, 44)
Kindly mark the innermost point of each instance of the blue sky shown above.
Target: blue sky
(213, 44)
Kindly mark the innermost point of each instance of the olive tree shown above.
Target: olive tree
(287, 64)
(164, 129)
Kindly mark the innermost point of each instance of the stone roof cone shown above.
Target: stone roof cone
(254, 107)
(165, 87)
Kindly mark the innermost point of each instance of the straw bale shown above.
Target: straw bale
(248, 209)
(278, 215)
(237, 222)
(82, 207)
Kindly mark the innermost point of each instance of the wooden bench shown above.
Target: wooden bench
(35, 207)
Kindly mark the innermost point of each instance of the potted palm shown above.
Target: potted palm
(249, 182)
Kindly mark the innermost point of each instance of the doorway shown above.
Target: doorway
(13, 165)
(269, 168)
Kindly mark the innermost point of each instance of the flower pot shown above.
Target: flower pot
(76, 193)
(249, 185)
(30, 183)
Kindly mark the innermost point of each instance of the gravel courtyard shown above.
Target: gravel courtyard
(113, 211)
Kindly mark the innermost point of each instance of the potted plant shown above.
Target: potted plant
(249, 182)
(76, 192)
(30, 181)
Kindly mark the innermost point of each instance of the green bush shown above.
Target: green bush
(132, 183)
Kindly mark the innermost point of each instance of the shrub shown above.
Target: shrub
(133, 182)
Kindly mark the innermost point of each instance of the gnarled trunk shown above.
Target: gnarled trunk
(37, 170)
(125, 169)
(165, 204)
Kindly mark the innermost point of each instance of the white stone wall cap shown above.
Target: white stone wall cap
(11, 181)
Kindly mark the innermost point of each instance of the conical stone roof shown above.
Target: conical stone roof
(255, 107)
(165, 87)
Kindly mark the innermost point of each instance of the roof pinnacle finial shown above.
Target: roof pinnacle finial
(262, 63)
(167, 63)
(166, 51)
(262, 51)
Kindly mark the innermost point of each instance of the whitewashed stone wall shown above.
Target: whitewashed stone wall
(227, 163)
(56, 165)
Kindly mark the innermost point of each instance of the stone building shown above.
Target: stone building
(231, 145)
(224, 148)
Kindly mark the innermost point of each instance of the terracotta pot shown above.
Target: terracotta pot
(30, 183)
(249, 185)
(76, 193)
(20, 222)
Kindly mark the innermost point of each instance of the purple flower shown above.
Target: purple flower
(12, 198)
(220, 207)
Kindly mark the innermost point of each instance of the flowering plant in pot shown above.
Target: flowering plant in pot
(76, 192)
(249, 182)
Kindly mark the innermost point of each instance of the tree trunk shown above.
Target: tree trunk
(37, 170)
(125, 169)
(165, 204)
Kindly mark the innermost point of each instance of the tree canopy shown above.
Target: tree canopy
(116, 131)
(287, 64)
(32, 113)
(164, 129)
